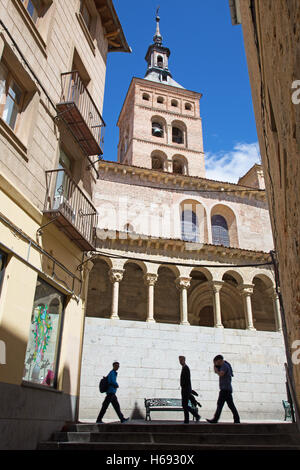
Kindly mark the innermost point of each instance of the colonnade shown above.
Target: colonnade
(183, 283)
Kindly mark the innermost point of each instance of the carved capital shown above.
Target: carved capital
(246, 290)
(116, 275)
(150, 279)
(183, 282)
(216, 286)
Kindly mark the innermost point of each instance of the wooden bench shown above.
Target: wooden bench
(165, 404)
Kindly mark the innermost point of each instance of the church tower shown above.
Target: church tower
(160, 124)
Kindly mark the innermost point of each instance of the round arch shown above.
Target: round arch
(230, 217)
(133, 292)
(166, 295)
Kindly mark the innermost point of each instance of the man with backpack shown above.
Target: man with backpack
(225, 373)
(109, 385)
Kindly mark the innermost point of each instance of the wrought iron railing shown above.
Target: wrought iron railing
(64, 197)
(73, 91)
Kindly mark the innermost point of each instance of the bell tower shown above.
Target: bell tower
(160, 124)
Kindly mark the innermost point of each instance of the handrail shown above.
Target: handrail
(65, 196)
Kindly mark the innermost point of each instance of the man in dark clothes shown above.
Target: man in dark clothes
(186, 390)
(224, 371)
(111, 395)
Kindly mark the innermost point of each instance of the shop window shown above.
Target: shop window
(42, 355)
(11, 97)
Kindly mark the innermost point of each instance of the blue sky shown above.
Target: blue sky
(207, 55)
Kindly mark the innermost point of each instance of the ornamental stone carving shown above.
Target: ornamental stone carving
(116, 275)
(183, 282)
(150, 279)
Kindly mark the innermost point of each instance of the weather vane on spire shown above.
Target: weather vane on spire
(157, 38)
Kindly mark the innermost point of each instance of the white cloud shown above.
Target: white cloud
(231, 165)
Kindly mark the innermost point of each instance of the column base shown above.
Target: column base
(114, 317)
(251, 328)
(151, 320)
(184, 323)
(219, 326)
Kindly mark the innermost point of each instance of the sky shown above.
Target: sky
(207, 56)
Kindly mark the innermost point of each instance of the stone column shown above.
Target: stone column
(216, 287)
(276, 306)
(150, 280)
(246, 290)
(183, 283)
(116, 276)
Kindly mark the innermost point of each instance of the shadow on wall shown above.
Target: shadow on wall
(29, 413)
(137, 413)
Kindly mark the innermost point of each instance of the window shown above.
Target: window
(160, 61)
(11, 97)
(219, 227)
(174, 103)
(157, 163)
(188, 106)
(189, 226)
(146, 97)
(160, 99)
(178, 167)
(157, 129)
(177, 135)
(33, 7)
(86, 15)
(42, 355)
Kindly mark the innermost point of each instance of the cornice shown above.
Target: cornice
(180, 116)
(160, 144)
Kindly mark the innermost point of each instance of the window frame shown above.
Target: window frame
(37, 8)
(11, 77)
(218, 232)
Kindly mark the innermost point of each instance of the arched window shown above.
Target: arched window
(157, 129)
(220, 235)
(178, 167)
(189, 226)
(157, 163)
(160, 61)
(174, 103)
(146, 97)
(188, 106)
(160, 99)
(177, 135)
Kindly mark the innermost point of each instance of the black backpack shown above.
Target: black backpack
(103, 385)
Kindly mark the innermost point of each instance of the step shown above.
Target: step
(112, 446)
(178, 438)
(202, 427)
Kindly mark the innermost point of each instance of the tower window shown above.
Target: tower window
(157, 129)
(174, 103)
(157, 163)
(188, 106)
(177, 135)
(160, 99)
(160, 61)
(178, 167)
(146, 97)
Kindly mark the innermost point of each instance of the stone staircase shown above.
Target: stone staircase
(175, 436)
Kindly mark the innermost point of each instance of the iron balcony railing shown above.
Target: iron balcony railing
(78, 109)
(72, 210)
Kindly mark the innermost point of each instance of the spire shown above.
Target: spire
(157, 38)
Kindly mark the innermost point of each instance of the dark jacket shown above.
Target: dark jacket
(185, 378)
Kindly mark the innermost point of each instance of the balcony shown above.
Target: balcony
(79, 111)
(71, 210)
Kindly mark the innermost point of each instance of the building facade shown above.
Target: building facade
(271, 32)
(182, 264)
(52, 77)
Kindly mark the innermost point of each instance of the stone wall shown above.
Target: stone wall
(149, 367)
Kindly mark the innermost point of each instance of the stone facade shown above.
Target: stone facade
(149, 367)
(271, 33)
(39, 48)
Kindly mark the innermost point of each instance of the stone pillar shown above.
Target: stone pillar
(183, 283)
(150, 280)
(116, 276)
(216, 287)
(246, 290)
(276, 306)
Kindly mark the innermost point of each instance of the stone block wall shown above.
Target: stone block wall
(149, 367)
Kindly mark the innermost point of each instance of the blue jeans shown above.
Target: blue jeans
(226, 396)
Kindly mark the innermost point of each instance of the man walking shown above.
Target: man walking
(111, 395)
(224, 371)
(186, 390)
